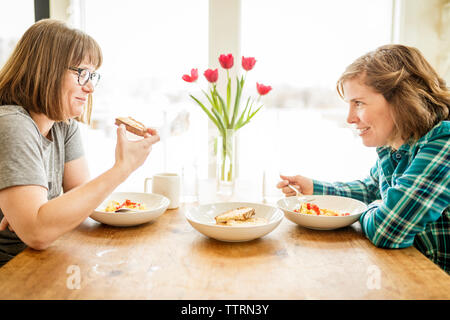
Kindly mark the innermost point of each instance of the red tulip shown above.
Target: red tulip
(191, 78)
(226, 61)
(248, 63)
(262, 89)
(211, 75)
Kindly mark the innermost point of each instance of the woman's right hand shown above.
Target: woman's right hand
(303, 184)
(130, 155)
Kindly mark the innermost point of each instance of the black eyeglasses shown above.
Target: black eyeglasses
(84, 75)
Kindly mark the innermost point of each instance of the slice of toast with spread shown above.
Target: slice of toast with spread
(132, 125)
(239, 214)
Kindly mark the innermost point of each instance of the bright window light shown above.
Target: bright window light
(17, 17)
(147, 47)
(302, 47)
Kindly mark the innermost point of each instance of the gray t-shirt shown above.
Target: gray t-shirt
(29, 158)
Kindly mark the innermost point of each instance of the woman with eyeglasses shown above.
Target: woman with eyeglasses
(399, 105)
(46, 86)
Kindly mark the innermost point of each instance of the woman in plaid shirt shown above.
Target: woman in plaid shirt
(399, 105)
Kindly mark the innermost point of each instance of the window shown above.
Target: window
(19, 17)
(302, 47)
(147, 46)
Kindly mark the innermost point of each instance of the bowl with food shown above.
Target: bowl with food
(234, 221)
(322, 212)
(123, 209)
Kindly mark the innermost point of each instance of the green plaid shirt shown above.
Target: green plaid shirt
(414, 186)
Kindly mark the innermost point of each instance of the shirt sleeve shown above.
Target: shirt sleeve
(21, 153)
(417, 198)
(366, 190)
(73, 146)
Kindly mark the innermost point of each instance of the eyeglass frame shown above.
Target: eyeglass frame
(91, 74)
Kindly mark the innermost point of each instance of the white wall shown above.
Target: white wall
(59, 9)
(425, 24)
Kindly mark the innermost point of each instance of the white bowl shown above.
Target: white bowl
(202, 219)
(335, 203)
(156, 205)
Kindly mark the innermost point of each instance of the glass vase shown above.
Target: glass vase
(226, 162)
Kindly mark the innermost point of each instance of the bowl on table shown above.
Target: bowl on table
(155, 206)
(322, 222)
(202, 219)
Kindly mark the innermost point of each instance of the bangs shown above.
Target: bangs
(348, 75)
(357, 69)
(85, 49)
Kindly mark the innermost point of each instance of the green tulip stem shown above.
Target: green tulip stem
(224, 156)
(230, 172)
(226, 171)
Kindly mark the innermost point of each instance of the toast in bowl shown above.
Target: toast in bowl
(242, 216)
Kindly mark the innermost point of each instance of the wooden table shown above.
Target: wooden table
(168, 259)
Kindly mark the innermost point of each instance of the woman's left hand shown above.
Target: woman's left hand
(5, 224)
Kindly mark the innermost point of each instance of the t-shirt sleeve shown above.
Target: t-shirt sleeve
(21, 153)
(73, 146)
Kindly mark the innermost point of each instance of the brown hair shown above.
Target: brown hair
(33, 75)
(418, 97)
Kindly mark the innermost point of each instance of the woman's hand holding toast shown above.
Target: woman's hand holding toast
(130, 155)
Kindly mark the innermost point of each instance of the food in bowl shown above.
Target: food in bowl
(311, 208)
(242, 216)
(113, 205)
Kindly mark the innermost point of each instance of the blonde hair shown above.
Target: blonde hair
(418, 97)
(33, 75)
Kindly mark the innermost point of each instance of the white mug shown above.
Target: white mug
(168, 185)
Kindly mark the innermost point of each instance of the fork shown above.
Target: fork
(299, 194)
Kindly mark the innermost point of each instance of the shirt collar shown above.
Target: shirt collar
(406, 148)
